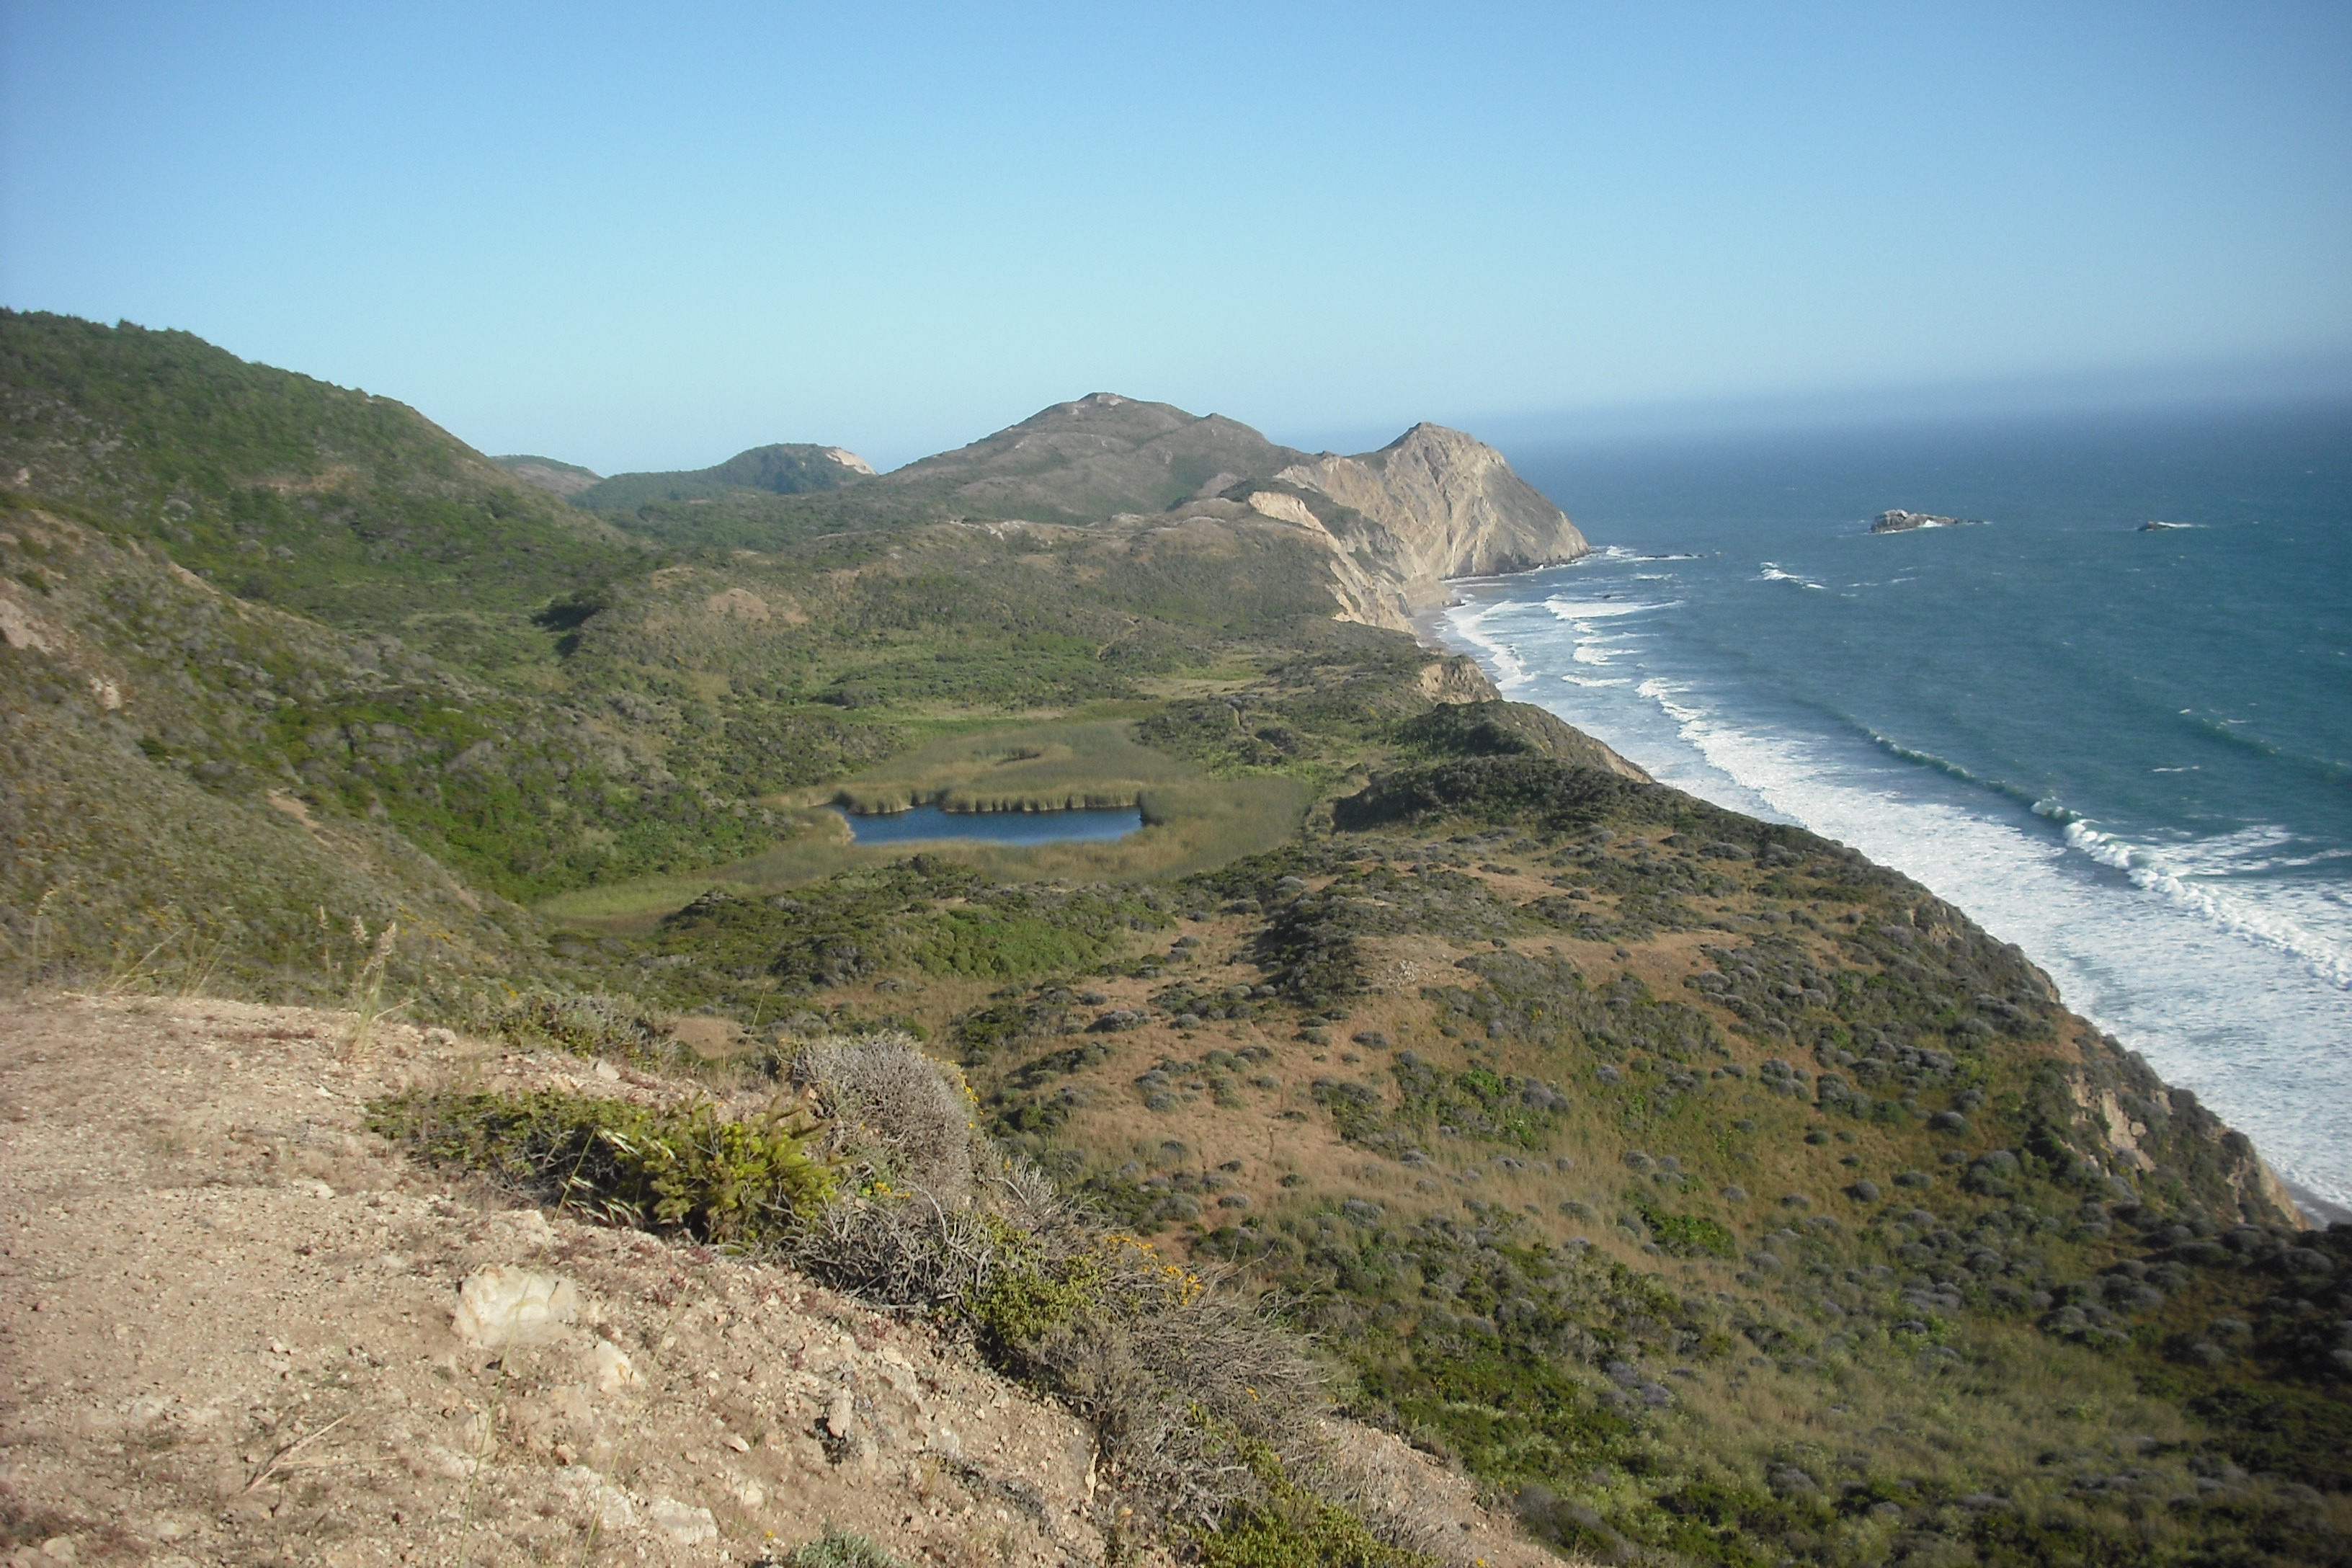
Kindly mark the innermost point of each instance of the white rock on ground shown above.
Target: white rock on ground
(498, 1308)
(686, 1525)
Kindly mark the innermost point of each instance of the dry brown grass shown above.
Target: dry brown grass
(1169, 1368)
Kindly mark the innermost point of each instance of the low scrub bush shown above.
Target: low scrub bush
(682, 1169)
(910, 1117)
(1289, 1526)
(1168, 1369)
(585, 1026)
(836, 1549)
(1560, 796)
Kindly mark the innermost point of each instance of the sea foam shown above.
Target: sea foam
(2166, 875)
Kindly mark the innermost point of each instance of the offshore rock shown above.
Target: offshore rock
(1900, 522)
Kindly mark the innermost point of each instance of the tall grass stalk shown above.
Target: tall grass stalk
(367, 985)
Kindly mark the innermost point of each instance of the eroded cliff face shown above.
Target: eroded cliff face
(1443, 504)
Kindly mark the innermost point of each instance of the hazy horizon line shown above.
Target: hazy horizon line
(2311, 380)
(2314, 381)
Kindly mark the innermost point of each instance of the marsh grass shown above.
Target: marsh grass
(1188, 828)
(1040, 767)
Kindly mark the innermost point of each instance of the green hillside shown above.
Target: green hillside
(286, 491)
(577, 717)
(1707, 1194)
(1072, 463)
(159, 827)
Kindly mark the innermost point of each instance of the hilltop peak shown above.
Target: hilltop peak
(782, 468)
(552, 475)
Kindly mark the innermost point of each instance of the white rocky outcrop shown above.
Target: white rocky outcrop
(1283, 507)
(1443, 504)
(503, 1306)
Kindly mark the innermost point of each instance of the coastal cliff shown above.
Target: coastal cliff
(1444, 504)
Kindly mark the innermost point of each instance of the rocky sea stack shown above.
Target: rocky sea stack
(1900, 522)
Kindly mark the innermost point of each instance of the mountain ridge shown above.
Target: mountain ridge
(558, 479)
(1395, 524)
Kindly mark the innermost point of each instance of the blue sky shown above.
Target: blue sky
(648, 237)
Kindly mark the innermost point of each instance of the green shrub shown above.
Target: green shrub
(1685, 1234)
(1032, 1295)
(585, 1026)
(838, 1549)
(1290, 1527)
(682, 1168)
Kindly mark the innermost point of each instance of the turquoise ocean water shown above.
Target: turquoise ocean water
(2129, 751)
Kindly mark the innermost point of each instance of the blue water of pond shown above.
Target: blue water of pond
(929, 822)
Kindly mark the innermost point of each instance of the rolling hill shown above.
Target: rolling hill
(783, 469)
(1704, 1193)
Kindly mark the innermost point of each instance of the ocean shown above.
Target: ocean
(2127, 750)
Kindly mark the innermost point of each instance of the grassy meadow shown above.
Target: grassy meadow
(1039, 767)
(1190, 822)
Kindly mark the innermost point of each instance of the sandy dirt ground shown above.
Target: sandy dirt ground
(237, 1328)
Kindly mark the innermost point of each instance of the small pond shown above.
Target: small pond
(995, 826)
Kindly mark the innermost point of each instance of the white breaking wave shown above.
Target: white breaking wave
(1507, 667)
(1611, 554)
(1592, 610)
(1772, 573)
(2160, 874)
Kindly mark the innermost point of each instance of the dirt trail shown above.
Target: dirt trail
(226, 1336)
